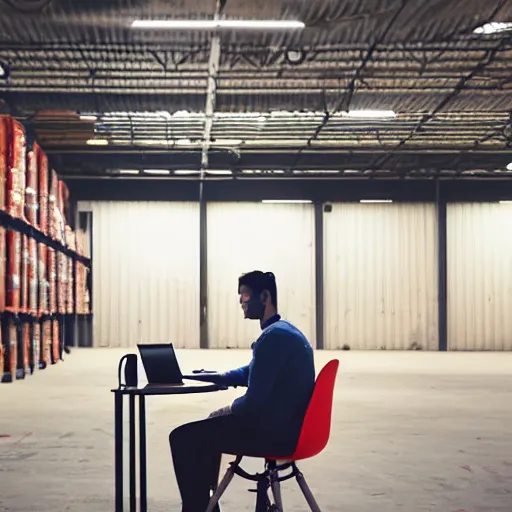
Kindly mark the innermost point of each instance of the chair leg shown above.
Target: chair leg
(219, 491)
(313, 505)
(276, 490)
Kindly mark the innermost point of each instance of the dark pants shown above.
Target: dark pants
(197, 449)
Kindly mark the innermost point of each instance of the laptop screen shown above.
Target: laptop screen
(160, 363)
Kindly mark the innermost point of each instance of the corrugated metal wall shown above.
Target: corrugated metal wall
(145, 273)
(479, 276)
(380, 276)
(257, 236)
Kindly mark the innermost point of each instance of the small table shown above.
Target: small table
(142, 393)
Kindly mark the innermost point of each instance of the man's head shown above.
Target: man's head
(258, 294)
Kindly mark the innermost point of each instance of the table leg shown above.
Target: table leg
(142, 455)
(133, 483)
(118, 450)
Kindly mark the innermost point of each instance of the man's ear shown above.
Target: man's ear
(264, 296)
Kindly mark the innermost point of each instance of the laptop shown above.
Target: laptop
(161, 365)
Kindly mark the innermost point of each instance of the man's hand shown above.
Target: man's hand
(225, 411)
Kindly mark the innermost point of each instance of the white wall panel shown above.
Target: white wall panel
(380, 276)
(145, 273)
(257, 236)
(479, 276)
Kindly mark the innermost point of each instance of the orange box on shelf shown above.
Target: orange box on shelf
(12, 333)
(70, 307)
(32, 277)
(46, 342)
(13, 299)
(14, 137)
(62, 282)
(43, 192)
(3, 263)
(4, 156)
(44, 285)
(81, 286)
(55, 342)
(53, 213)
(51, 272)
(24, 283)
(63, 201)
(2, 357)
(35, 340)
(25, 334)
(71, 243)
(31, 194)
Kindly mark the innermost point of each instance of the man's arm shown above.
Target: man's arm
(234, 378)
(238, 377)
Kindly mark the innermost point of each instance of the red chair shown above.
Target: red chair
(313, 439)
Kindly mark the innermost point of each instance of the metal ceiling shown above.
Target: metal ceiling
(269, 100)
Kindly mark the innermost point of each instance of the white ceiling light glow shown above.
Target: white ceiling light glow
(493, 28)
(219, 172)
(374, 201)
(88, 117)
(97, 142)
(185, 172)
(286, 201)
(370, 114)
(218, 24)
(509, 166)
(157, 171)
(128, 171)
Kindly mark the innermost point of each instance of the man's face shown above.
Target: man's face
(252, 306)
(245, 298)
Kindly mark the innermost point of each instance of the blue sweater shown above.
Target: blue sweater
(279, 379)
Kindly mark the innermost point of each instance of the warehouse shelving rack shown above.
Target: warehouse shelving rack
(29, 356)
(40, 258)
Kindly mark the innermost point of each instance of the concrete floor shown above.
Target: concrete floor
(412, 431)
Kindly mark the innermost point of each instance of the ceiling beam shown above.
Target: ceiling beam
(211, 91)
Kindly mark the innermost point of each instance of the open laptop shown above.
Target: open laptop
(161, 365)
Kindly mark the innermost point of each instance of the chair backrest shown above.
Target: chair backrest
(316, 428)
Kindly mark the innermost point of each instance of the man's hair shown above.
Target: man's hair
(258, 281)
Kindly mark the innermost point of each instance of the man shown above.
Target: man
(266, 420)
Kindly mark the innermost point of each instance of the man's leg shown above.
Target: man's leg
(197, 448)
(191, 466)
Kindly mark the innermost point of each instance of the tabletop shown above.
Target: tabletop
(170, 389)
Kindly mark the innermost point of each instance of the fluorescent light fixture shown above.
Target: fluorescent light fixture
(286, 201)
(185, 172)
(157, 171)
(153, 142)
(97, 142)
(509, 166)
(220, 172)
(493, 28)
(370, 114)
(159, 114)
(88, 117)
(128, 171)
(509, 203)
(227, 142)
(4, 71)
(219, 24)
(369, 201)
